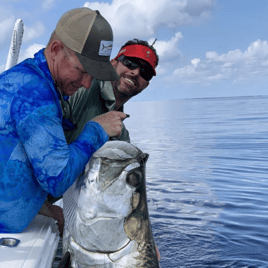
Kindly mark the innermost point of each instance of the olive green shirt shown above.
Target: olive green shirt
(86, 104)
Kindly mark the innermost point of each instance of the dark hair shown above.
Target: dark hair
(141, 42)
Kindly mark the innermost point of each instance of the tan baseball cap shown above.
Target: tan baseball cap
(90, 36)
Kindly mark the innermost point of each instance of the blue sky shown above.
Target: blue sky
(207, 48)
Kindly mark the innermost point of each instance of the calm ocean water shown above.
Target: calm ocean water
(207, 179)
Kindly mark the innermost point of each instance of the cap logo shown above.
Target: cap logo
(105, 48)
(148, 54)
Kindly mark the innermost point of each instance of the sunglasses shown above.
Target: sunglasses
(146, 71)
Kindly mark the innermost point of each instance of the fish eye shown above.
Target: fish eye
(134, 179)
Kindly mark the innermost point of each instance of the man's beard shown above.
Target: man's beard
(124, 93)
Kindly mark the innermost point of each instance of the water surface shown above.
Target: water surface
(206, 179)
(207, 183)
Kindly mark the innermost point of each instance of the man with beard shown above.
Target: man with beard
(135, 64)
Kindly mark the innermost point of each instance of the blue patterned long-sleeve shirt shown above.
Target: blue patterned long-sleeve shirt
(35, 158)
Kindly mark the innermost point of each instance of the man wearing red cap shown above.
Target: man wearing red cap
(135, 65)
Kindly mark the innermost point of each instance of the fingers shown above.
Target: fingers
(158, 253)
(61, 229)
(123, 116)
(111, 122)
(54, 212)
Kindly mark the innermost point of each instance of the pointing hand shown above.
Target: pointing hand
(111, 122)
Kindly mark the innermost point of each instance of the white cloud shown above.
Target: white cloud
(198, 8)
(168, 50)
(160, 71)
(6, 29)
(264, 63)
(258, 49)
(190, 74)
(230, 56)
(195, 62)
(33, 32)
(48, 4)
(216, 77)
(234, 66)
(7, 23)
(141, 19)
(30, 51)
(2, 68)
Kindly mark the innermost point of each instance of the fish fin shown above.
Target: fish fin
(65, 261)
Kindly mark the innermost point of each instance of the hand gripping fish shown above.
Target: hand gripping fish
(106, 215)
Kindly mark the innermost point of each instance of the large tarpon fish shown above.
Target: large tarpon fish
(106, 215)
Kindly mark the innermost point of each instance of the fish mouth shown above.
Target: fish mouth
(89, 219)
(104, 235)
(101, 257)
(74, 242)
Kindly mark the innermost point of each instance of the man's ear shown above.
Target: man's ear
(113, 62)
(56, 48)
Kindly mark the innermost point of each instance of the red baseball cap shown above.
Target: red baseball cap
(141, 52)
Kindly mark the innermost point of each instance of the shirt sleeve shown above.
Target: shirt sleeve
(37, 118)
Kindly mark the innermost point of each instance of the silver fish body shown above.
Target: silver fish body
(106, 215)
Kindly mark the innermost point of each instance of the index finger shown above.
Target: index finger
(123, 115)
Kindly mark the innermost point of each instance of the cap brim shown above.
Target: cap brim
(139, 57)
(101, 70)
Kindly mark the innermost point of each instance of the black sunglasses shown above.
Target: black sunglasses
(146, 71)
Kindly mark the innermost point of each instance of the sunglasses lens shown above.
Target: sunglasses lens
(145, 71)
(146, 74)
(131, 65)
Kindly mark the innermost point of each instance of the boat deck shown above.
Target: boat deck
(37, 246)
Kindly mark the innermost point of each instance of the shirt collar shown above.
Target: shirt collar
(42, 64)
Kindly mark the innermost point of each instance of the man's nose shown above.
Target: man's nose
(87, 80)
(135, 72)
